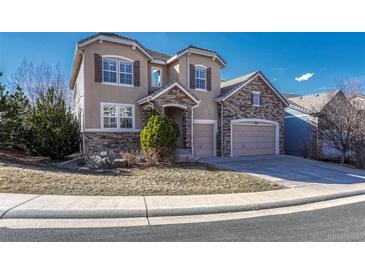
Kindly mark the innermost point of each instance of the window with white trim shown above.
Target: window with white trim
(125, 116)
(156, 75)
(118, 116)
(110, 71)
(126, 73)
(117, 71)
(110, 116)
(256, 98)
(200, 78)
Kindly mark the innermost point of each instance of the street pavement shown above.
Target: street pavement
(340, 223)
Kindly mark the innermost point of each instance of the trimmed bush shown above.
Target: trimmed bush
(159, 137)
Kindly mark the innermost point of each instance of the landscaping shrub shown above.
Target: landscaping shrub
(14, 110)
(159, 138)
(54, 129)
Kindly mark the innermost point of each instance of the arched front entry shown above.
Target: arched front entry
(177, 113)
(254, 137)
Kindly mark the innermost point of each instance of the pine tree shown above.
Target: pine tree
(55, 130)
(14, 110)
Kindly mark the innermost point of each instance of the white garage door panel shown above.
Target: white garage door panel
(253, 140)
(203, 140)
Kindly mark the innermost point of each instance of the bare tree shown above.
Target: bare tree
(35, 80)
(358, 146)
(339, 122)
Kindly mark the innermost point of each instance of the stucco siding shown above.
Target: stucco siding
(95, 92)
(207, 109)
(164, 74)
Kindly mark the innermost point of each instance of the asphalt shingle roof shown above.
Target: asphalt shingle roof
(313, 103)
(200, 48)
(155, 92)
(154, 53)
(229, 86)
(158, 55)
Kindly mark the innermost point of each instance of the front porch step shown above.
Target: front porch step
(183, 151)
(185, 155)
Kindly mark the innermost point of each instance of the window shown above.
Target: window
(110, 116)
(156, 77)
(200, 78)
(125, 117)
(118, 116)
(126, 73)
(256, 98)
(112, 68)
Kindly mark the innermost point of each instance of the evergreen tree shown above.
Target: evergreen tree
(159, 136)
(14, 110)
(55, 130)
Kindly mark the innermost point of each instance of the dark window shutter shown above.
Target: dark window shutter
(251, 98)
(98, 68)
(209, 79)
(192, 76)
(136, 73)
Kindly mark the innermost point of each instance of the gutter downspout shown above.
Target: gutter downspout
(192, 128)
(150, 103)
(220, 102)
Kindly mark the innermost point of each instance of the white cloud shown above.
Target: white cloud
(304, 77)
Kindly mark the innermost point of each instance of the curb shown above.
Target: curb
(250, 207)
(165, 212)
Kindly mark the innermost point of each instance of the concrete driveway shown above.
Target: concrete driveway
(291, 170)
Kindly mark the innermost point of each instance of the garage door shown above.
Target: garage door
(253, 140)
(203, 140)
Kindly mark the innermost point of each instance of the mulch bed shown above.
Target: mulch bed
(21, 157)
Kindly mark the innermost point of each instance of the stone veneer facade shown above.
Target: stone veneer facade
(114, 143)
(239, 106)
(175, 96)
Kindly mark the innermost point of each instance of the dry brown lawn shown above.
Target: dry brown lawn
(175, 180)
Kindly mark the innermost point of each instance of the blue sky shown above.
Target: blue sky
(300, 63)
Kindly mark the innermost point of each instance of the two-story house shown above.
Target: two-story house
(117, 81)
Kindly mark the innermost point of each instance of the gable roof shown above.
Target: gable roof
(230, 87)
(116, 38)
(198, 50)
(165, 89)
(153, 55)
(313, 103)
(157, 55)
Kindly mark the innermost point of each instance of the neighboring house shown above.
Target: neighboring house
(301, 120)
(359, 102)
(117, 81)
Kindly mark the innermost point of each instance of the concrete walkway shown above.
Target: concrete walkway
(26, 206)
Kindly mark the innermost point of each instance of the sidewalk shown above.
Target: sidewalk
(28, 206)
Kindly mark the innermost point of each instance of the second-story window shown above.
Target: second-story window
(200, 78)
(117, 71)
(110, 70)
(126, 73)
(156, 77)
